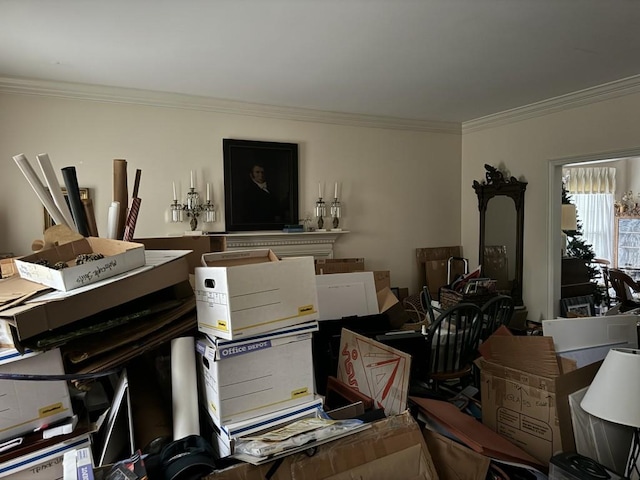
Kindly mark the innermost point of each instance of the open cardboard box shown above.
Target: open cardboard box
(524, 391)
(119, 257)
(56, 309)
(393, 448)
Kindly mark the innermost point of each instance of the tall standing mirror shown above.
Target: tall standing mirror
(501, 205)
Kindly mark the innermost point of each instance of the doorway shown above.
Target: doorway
(555, 187)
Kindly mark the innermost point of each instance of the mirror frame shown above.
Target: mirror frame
(494, 185)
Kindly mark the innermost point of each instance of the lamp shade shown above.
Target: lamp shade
(569, 217)
(615, 391)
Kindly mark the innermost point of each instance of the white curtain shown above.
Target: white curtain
(595, 212)
(592, 190)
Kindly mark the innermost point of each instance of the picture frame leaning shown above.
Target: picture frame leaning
(260, 184)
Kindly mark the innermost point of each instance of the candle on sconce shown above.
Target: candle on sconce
(175, 197)
(192, 179)
(336, 192)
(319, 190)
(208, 194)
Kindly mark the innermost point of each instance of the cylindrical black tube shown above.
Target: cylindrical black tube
(77, 208)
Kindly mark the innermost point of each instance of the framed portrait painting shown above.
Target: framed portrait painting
(260, 184)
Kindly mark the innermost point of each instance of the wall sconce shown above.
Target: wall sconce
(192, 208)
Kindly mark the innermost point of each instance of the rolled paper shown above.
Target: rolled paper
(184, 388)
(132, 219)
(87, 203)
(73, 193)
(55, 190)
(112, 220)
(120, 193)
(37, 186)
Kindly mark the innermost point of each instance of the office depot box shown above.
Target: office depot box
(225, 436)
(28, 404)
(57, 309)
(241, 379)
(524, 392)
(44, 463)
(246, 293)
(119, 257)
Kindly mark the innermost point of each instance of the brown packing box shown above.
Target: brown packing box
(454, 461)
(31, 319)
(393, 448)
(434, 264)
(389, 304)
(339, 265)
(198, 244)
(524, 392)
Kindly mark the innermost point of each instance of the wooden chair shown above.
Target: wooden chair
(603, 265)
(495, 312)
(625, 287)
(453, 339)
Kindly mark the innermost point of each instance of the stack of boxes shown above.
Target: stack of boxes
(256, 315)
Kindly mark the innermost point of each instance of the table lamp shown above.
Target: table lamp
(568, 223)
(614, 395)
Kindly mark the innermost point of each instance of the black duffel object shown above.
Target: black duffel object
(190, 458)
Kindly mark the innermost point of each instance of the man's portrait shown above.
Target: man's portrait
(261, 184)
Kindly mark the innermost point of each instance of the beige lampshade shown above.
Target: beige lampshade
(615, 391)
(569, 217)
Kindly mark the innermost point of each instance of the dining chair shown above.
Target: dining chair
(453, 339)
(624, 286)
(496, 312)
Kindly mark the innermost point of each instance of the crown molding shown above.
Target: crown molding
(617, 88)
(96, 93)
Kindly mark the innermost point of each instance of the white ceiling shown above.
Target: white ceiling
(435, 60)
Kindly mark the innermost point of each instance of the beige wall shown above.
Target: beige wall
(400, 188)
(526, 148)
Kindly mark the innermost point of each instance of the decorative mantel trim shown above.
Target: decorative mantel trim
(316, 244)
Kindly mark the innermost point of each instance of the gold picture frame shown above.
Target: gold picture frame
(48, 221)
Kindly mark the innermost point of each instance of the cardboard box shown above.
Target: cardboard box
(45, 463)
(224, 439)
(524, 392)
(433, 262)
(241, 379)
(198, 244)
(57, 309)
(391, 449)
(246, 293)
(119, 257)
(339, 265)
(28, 404)
(389, 304)
(376, 370)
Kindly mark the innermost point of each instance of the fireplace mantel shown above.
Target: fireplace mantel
(316, 244)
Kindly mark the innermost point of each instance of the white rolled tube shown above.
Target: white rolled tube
(112, 220)
(38, 188)
(184, 388)
(55, 190)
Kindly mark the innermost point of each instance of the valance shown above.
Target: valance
(590, 180)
